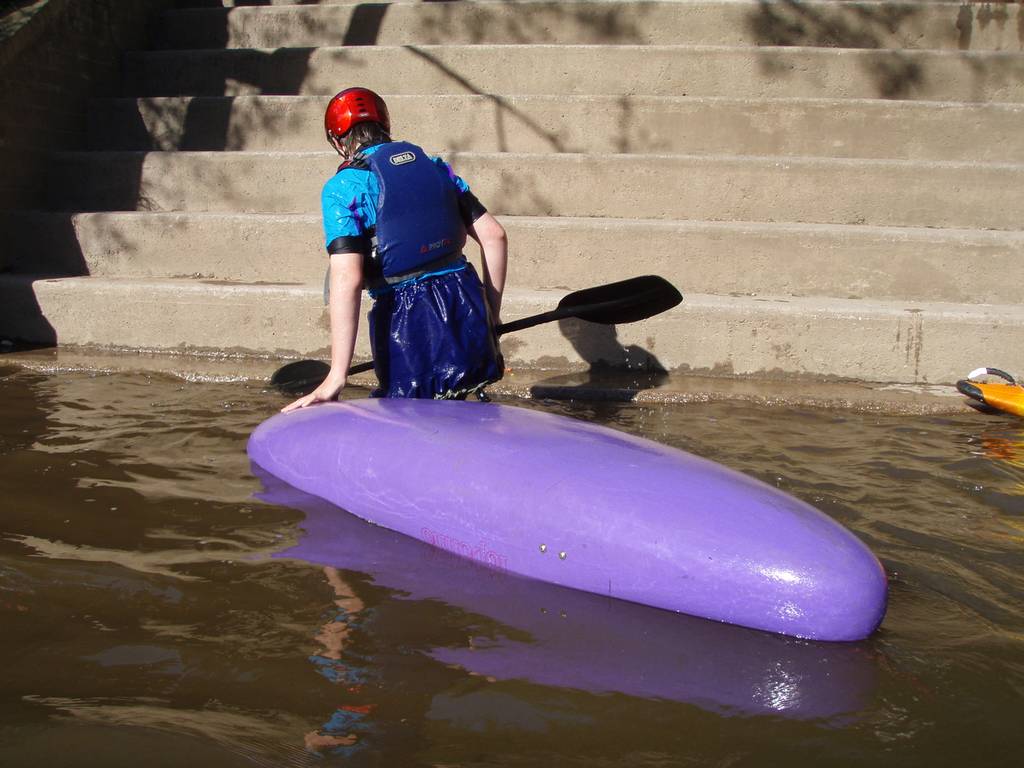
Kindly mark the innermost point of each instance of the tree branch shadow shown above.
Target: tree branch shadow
(888, 30)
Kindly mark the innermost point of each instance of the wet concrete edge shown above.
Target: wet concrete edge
(614, 386)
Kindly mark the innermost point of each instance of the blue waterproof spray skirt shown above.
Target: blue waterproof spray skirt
(432, 338)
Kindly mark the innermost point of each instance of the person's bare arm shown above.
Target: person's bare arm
(494, 244)
(346, 295)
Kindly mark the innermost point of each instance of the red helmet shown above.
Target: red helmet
(352, 106)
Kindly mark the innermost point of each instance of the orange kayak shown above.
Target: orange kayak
(1008, 397)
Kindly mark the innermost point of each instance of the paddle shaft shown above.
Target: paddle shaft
(516, 325)
(625, 301)
(522, 323)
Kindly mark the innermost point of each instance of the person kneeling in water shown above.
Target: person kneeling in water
(396, 221)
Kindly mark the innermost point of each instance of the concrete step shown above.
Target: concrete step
(881, 341)
(597, 124)
(809, 190)
(523, 383)
(737, 258)
(940, 25)
(278, 3)
(626, 70)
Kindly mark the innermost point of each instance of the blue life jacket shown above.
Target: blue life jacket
(418, 218)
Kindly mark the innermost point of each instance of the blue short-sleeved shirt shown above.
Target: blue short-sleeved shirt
(349, 199)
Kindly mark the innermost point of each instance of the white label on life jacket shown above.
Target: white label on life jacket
(402, 158)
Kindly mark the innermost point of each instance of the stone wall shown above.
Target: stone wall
(54, 55)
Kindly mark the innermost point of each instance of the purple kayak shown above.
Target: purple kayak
(583, 506)
(549, 635)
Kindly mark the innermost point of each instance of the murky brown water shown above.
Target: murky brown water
(149, 617)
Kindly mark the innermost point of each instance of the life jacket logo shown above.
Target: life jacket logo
(402, 158)
(434, 246)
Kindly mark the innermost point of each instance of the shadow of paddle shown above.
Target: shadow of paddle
(616, 372)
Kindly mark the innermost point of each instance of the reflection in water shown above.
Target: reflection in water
(341, 733)
(570, 639)
(1004, 446)
(159, 563)
(144, 622)
(252, 736)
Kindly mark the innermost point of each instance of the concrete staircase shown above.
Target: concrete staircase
(836, 187)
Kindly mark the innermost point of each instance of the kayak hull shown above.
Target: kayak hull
(525, 629)
(583, 506)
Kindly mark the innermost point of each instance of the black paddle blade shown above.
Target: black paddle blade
(299, 378)
(623, 302)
